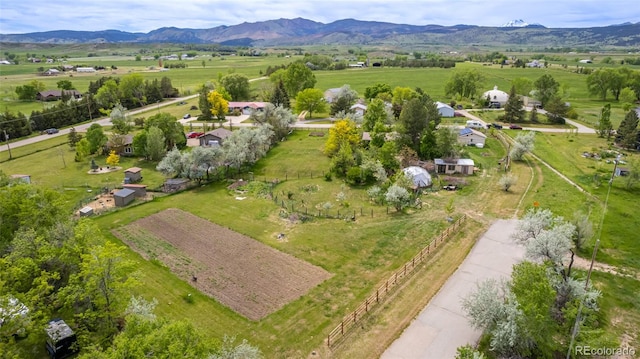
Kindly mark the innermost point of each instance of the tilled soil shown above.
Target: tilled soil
(250, 277)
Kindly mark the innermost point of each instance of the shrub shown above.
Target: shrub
(354, 175)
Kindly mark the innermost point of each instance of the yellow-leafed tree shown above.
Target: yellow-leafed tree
(113, 159)
(219, 105)
(344, 132)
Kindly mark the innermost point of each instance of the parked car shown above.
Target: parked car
(51, 131)
(515, 127)
(194, 134)
(497, 126)
(186, 116)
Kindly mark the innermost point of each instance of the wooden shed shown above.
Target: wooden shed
(133, 175)
(140, 189)
(85, 211)
(123, 197)
(175, 184)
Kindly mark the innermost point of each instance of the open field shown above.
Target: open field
(253, 279)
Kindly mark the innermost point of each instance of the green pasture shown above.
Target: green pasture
(187, 80)
(619, 245)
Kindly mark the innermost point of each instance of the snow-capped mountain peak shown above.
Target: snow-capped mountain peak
(516, 23)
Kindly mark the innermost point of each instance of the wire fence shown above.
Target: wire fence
(349, 321)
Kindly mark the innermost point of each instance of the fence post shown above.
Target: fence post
(413, 261)
(405, 270)
(371, 212)
(286, 176)
(377, 295)
(342, 327)
(361, 211)
(386, 288)
(355, 316)
(366, 305)
(395, 281)
(354, 214)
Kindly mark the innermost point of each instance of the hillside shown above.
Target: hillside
(299, 31)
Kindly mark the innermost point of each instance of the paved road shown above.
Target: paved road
(83, 127)
(442, 326)
(579, 127)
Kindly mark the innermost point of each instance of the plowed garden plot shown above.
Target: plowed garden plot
(251, 278)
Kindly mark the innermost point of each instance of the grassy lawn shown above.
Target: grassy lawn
(358, 253)
(51, 164)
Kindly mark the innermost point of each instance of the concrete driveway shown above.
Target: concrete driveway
(442, 326)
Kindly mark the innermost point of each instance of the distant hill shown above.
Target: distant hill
(288, 32)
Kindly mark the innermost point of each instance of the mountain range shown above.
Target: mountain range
(299, 31)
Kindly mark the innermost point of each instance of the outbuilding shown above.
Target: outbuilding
(139, 189)
(496, 96)
(85, 211)
(445, 110)
(420, 177)
(175, 184)
(123, 197)
(451, 166)
(133, 175)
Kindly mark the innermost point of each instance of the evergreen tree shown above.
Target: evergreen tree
(74, 137)
(627, 135)
(280, 97)
(514, 108)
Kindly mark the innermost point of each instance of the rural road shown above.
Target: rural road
(442, 326)
(238, 123)
(83, 127)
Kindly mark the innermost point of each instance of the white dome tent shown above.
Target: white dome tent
(496, 95)
(421, 178)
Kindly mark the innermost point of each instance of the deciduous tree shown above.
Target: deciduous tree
(155, 144)
(398, 197)
(237, 85)
(219, 105)
(113, 159)
(310, 100)
(546, 87)
(298, 77)
(464, 83)
(96, 137)
(343, 131)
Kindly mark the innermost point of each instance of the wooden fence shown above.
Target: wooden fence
(351, 319)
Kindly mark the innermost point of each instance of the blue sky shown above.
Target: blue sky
(18, 16)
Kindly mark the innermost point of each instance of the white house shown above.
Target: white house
(359, 109)
(496, 95)
(471, 137)
(85, 69)
(331, 94)
(445, 110)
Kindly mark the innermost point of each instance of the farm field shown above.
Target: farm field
(251, 278)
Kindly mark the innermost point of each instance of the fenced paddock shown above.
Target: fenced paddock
(349, 321)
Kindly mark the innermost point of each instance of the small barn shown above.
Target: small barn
(133, 175)
(139, 189)
(451, 166)
(85, 211)
(214, 138)
(420, 177)
(445, 110)
(175, 184)
(123, 197)
(470, 137)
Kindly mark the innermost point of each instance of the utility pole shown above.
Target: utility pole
(6, 138)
